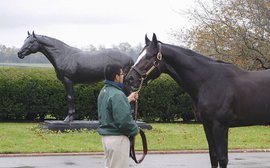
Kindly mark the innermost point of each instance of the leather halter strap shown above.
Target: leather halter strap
(155, 64)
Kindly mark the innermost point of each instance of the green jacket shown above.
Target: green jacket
(114, 112)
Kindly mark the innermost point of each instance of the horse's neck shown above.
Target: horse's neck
(56, 51)
(187, 68)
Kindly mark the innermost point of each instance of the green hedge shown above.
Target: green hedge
(35, 93)
(165, 101)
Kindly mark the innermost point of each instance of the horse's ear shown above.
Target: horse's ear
(34, 34)
(154, 40)
(28, 33)
(146, 39)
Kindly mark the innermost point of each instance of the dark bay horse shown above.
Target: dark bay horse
(224, 95)
(73, 65)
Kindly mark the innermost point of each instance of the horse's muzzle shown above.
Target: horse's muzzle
(20, 55)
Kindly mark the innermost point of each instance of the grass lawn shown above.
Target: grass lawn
(28, 138)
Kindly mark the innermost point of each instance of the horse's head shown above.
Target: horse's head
(30, 46)
(148, 65)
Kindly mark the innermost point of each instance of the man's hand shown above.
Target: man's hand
(133, 96)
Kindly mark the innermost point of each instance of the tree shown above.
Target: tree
(237, 31)
(129, 50)
(90, 48)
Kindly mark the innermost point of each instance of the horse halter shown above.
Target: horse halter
(155, 65)
(143, 137)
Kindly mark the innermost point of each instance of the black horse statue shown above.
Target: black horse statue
(73, 65)
(224, 95)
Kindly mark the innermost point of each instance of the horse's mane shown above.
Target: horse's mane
(53, 41)
(192, 53)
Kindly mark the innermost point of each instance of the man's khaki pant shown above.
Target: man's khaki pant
(116, 150)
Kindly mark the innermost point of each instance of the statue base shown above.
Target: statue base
(79, 124)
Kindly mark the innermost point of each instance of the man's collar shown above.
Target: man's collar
(120, 85)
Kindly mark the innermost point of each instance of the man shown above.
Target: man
(116, 124)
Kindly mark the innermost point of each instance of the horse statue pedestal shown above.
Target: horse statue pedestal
(79, 124)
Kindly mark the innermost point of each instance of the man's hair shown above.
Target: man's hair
(111, 70)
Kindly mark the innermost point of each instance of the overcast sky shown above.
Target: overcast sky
(80, 23)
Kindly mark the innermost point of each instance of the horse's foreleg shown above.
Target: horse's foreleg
(220, 133)
(70, 99)
(211, 145)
